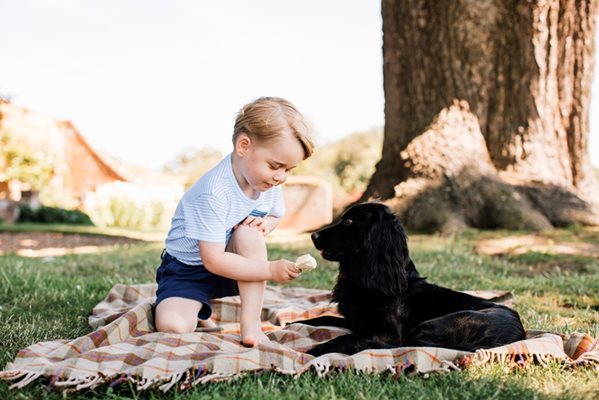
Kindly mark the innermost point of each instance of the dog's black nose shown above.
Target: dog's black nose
(314, 236)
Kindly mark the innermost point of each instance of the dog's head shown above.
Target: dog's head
(370, 244)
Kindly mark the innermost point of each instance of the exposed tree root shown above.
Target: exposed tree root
(452, 184)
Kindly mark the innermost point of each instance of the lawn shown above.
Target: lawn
(51, 297)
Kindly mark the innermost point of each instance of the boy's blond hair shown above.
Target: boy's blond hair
(267, 118)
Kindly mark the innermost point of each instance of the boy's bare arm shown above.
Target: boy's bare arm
(233, 266)
(271, 222)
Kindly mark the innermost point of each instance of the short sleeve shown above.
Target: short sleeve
(278, 207)
(205, 218)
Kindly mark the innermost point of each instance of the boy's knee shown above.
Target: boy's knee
(174, 324)
(245, 237)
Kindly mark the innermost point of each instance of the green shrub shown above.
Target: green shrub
(25, 160)
(53, 215)
(347, 164)
(133, 205)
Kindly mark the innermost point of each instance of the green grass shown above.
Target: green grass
(51, 298)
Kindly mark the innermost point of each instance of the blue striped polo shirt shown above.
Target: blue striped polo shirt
(210, 209)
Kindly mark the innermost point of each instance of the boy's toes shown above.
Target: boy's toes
(249, 342)
(254, 340)
(207, 323)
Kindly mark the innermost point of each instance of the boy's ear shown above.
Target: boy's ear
(243, 144)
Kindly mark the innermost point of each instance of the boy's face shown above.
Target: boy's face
(265, 165)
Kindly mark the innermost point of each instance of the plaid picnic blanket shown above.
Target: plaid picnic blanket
(124, 346)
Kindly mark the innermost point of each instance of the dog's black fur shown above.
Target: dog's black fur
(384, 301)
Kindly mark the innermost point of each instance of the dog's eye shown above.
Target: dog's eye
(347, 221)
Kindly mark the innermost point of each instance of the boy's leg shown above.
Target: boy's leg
(252, 298)
(249, 242)
(177, 315)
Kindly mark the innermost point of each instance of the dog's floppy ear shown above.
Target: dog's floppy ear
(385, 256)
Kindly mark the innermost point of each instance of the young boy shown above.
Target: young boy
(215, 246)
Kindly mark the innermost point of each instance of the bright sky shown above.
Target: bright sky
(145, 79)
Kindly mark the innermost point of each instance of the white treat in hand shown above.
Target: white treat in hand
(305, 263)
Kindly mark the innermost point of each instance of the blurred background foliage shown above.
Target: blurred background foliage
(131, 205)
(346, 164)
(53, 215)
(191, 165)
(22, 160)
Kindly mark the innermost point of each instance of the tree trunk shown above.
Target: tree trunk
(486, 113)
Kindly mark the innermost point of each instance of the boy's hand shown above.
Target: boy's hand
(257, 222)
(283, 271)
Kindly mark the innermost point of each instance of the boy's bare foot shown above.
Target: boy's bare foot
(253, 336)
(207, 325)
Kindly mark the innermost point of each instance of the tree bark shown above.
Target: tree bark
(487, 113)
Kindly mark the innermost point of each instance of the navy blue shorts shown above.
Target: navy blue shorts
(195, 282)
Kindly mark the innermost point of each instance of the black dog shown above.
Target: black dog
(387, 304)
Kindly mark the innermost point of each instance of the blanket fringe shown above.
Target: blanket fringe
(146, 383)
(194, 376)
(448, 366)
(197, 375)
(69, 382)
(516, 360)
(174, 379)
(215, 377)
(590, 358)
(12, 375)
(90, 382)
(29, 377)
(322, 368)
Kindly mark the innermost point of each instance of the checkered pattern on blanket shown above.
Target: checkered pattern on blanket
(125, 346)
